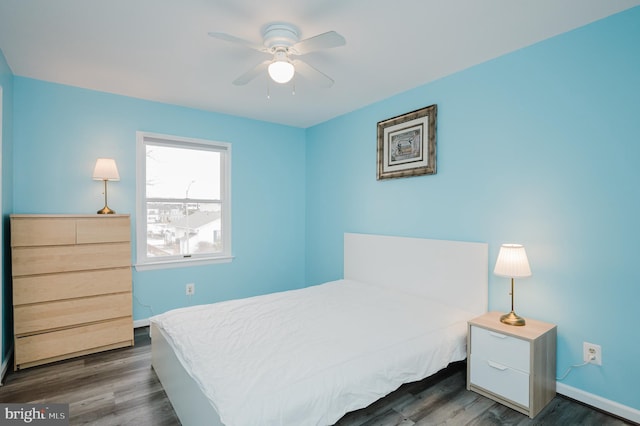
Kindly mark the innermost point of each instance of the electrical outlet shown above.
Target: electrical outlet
(190, 289)
(591, 353)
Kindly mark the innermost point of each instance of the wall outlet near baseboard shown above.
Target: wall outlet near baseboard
(591, 353)
(190, 289)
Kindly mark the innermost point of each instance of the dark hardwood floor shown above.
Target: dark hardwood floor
(119, 387)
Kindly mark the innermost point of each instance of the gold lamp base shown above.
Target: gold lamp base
(106, 210)
(512, 319)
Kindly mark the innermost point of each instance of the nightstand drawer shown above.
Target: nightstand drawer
(500, 348)
(500, 379)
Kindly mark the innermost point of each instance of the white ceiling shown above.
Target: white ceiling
(159, 49)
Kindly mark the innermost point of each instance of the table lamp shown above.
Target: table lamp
(105, 170)
(512, 262)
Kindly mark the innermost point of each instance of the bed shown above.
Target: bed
(308, 356)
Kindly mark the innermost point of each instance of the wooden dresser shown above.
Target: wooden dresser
(71, 286)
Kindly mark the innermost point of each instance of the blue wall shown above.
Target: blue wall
(61, 130)
(539, 147)
(6, 82)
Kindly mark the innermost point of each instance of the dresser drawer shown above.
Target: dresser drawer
(501, 380)
(31, 319)
(500, 348)
(41, 348)
(70, 285)
(42, 231)
(53, 259)
(103, 230)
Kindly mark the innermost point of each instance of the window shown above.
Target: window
(183, 201)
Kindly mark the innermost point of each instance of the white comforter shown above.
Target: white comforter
(307, 357)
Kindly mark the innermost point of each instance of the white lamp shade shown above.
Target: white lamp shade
(106, 169)
(512, 262)
(281, 71)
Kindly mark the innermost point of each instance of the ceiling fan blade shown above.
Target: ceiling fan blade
(251, 74)
(237, 40)
(312, 74)
(321, 41)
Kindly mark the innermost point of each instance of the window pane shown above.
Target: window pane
(182, 173)
(185, 196)
(172, 232)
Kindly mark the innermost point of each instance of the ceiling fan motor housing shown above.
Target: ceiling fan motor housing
(279, 36)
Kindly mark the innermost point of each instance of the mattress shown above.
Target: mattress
(308, 356)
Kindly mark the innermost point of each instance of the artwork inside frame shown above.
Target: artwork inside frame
(407, 144)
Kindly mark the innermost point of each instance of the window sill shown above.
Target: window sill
(181, 263)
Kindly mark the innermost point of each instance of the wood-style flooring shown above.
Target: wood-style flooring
(119, 387)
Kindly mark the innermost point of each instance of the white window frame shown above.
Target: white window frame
(146, 263)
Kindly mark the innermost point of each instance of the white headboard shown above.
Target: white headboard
(453, 272)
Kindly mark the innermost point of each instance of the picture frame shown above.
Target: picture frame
(407, 144)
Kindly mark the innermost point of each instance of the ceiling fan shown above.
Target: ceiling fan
(281, 41)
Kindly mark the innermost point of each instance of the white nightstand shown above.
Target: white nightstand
(514, 365)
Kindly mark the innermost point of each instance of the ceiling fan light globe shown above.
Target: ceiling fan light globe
(281, 71)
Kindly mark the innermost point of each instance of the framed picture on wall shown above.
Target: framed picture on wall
(407, 144)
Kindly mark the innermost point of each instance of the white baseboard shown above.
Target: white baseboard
(141, 323)
(601, 403)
